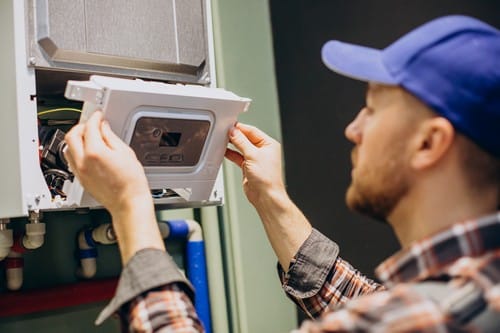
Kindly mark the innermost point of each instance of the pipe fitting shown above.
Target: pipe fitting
(34, 237)
(164, 229)
(104, 234)
(195, 231)
(35, 216)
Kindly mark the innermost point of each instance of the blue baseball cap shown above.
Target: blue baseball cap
(451, 63)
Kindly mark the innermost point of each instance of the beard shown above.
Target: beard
(376, 190)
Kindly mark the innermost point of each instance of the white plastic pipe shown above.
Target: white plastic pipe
(164, 230)
(6, 239)
(103, 234)
(14, 275)
(32, 239)
(195, 232)
(88, 266)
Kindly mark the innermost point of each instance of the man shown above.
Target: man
(426, 160)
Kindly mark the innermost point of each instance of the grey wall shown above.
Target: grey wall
(316, 104)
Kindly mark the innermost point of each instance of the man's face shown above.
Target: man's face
(381, 133)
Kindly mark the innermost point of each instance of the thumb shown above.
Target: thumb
(109, 137)
(240, 141)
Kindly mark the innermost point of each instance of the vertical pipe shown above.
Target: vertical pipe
(6, 238)
(196, 271)
(87, 253)
(14, 275)
(196, 265)
(215, 270)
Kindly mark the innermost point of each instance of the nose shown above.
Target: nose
(353, 131)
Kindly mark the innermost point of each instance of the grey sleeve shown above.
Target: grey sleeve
(311, 266)
(146, 270)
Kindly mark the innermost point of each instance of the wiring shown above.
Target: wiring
(51, 137)
(55, 180)
(58, 173)
(57, 122)
(41, 113)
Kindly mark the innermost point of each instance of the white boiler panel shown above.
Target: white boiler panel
(178, 132)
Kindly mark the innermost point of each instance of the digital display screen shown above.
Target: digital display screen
(170, 139)
(172, 142)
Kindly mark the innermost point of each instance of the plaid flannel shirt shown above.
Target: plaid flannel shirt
(342, 299)
(465, 254)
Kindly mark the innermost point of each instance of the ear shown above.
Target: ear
(434, 139)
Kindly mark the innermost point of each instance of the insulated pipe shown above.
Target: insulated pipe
(14, 270)
(87, 253)
(196, 270)
(87, 245)
(14, 264)
(196, 267)
(32, 239)
(6, 239)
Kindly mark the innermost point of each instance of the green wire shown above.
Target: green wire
(58, 110)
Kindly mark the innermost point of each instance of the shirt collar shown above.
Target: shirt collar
(431, 255)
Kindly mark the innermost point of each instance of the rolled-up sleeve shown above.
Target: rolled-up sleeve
(318, 279)
(147, 269)
(311, 265)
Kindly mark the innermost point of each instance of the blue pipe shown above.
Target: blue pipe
(179, 229)
(92, 251)
(196, 269)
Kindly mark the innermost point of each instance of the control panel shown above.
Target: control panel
(178, 132)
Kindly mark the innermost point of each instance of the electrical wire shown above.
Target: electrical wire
(55, 180)
(59, 122)
(57, 172)
(41, 113)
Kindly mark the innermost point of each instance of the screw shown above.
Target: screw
(156, 132)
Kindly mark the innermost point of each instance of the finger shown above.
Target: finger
(255, 135)
(234, 157)
(73, 153)
(92, 137)
(240, 141)
(110, 138)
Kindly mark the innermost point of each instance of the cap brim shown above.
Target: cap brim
(357, 62)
